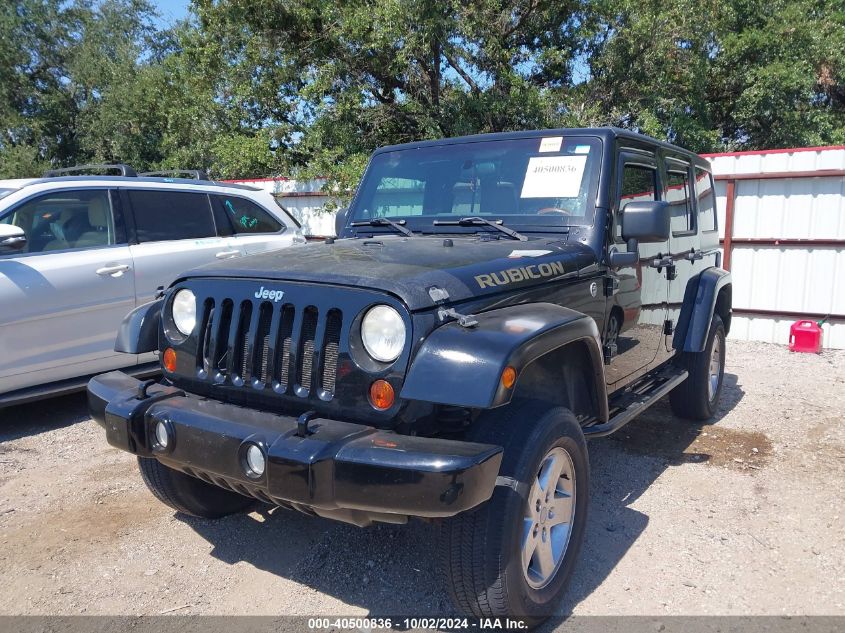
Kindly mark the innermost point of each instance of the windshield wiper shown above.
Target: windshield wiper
(385, 222)
(477, 221)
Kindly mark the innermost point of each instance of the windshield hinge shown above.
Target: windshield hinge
(464, 320)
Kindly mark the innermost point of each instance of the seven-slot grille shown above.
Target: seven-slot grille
(265, 344)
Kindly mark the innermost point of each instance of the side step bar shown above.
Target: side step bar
(637, 400)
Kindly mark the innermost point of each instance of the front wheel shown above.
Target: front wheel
(514, 555)
(189, 495)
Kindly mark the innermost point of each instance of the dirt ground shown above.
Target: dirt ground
(740, 516)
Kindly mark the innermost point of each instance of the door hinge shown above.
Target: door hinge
(671, 272)
(609, 352)
(611, 286)
(668, 327)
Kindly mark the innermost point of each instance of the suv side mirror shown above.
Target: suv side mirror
(12, 238)
(646, 221)
(340, 221)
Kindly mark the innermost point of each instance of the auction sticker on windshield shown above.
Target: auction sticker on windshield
(553, 177)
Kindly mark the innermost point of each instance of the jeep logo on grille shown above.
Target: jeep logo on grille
(272, 295)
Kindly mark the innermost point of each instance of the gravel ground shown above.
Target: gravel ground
(741, 516)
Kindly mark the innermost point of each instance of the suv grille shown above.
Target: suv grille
(262, 344)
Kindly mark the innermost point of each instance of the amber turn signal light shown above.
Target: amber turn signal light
(168, 359)
(508, 377)
(381, 395)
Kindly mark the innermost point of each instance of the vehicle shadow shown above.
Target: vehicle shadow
(391, 570)
(44, 415)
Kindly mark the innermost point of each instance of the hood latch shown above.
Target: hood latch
(464, 320)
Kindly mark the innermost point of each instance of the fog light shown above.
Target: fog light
(255, 461)
(162, 435)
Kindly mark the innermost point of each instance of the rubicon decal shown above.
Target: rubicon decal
(273, 295)
(523, 273)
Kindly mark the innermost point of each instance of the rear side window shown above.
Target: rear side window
(65, 220)
(680, 202)
(245, 216)
(706, 200)
(171, 215)
(639, 183)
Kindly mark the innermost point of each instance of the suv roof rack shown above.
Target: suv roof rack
(125, 170)
(195, 174)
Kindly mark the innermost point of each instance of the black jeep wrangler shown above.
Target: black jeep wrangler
(491, 301)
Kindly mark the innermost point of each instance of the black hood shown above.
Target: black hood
(409, 267)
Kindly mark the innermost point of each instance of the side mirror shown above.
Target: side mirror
(12, 238)
(340, 221)
(646, 221)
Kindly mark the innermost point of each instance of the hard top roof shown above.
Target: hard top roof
(605, 133)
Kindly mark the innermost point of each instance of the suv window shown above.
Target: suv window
(639, 182)
(706, 200)
(247, 217)
(680, 201)
(64, 220)
(171, 215)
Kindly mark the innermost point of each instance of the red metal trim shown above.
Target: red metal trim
(730, 194)
(785, 150)
(820, 173)
(776, 241)
(787, 314)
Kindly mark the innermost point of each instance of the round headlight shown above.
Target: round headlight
(184, 311)
(383, 333)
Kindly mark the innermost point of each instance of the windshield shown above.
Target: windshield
(529, 183)
(6, 192)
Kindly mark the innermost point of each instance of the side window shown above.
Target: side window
(65, 220)
(706, 200)
(247, 217)
(680, 201)
(171, 215)
(639, 182)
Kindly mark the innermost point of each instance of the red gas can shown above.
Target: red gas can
(805, 336)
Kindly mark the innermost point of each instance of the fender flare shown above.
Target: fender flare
(138, 333)
(462, 366)
(698, 308)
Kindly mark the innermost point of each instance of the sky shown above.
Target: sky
(171, 10)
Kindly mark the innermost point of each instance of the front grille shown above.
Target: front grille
(287, 348)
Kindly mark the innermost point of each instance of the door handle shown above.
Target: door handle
(662, 262)
(227, 254)
(112, 270)
(693, 255)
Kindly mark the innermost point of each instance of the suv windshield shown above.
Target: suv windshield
(6, 192)
(529, 183)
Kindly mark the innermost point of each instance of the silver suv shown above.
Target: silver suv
(77, 253)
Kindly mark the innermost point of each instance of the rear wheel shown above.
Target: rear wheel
(514, 555)
(187, 494)
(697, 398)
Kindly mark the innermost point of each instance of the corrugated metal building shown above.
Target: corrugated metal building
(782, 224)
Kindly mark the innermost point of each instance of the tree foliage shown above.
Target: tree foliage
(308, 87)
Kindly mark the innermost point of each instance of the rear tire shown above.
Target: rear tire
(697, 398)
(495, 558)
(189, 495)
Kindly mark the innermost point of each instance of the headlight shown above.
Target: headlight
(184, 311)
(383, 333)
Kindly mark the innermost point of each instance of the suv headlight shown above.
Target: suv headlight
(383, 333)
(184, 311)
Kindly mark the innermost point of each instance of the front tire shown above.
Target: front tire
(514, 555)
(189, 495)
(697, 398)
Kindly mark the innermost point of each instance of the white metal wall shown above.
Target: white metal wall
(805, 278)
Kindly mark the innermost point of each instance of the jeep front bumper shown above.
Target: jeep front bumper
(346, 471)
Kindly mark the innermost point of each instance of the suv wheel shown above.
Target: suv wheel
(698, 396)
(189, 495)
(514, 555)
